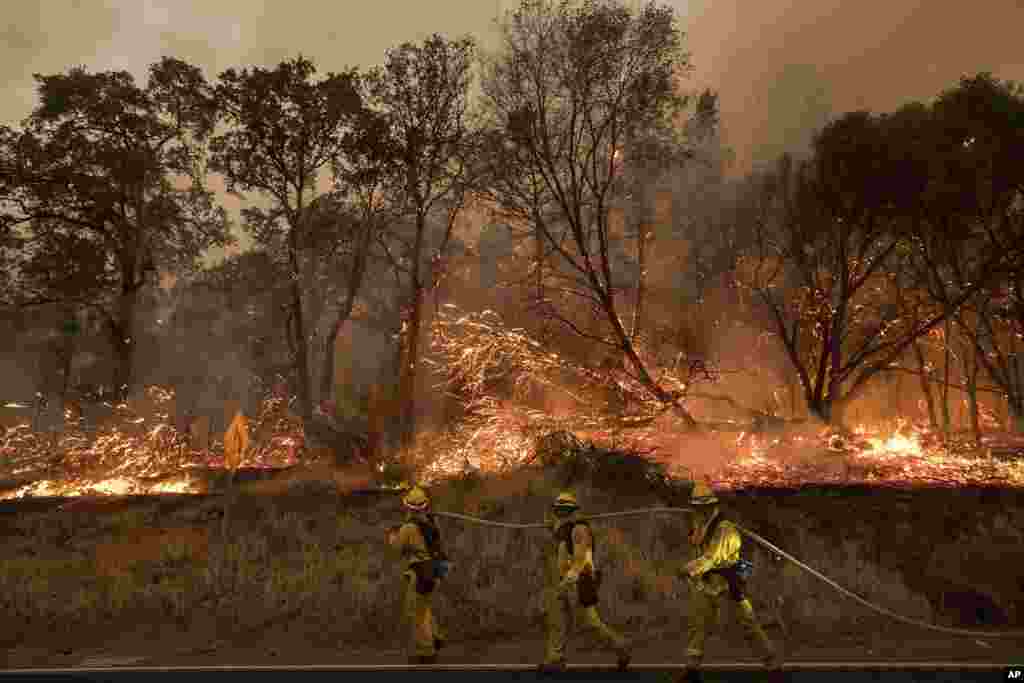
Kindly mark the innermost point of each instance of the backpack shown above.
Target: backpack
(564, 535)
(736, 575)
(432, 537)
(588, 582)
(428, 572)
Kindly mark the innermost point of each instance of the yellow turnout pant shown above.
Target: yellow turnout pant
(705, 615)
(418, 611)
(561, 611)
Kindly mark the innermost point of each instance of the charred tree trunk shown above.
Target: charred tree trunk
(301, 346)
(122, 341)
(926, 387)
(971, 368)
(1015, 393)
(410, 359)
(794, 402)
(354, 285)
(540, 293)
(946, 417)
(315, 344)
(67, 359)
(641, 278)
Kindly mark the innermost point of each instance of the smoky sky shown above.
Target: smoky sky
(781, 66)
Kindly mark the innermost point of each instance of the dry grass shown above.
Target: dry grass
(318, 557)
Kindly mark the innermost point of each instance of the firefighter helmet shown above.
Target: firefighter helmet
(566, 501)
(702, 495)
(416, 499)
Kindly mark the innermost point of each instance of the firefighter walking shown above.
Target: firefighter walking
(425, 563)
(572, 581)
(718, 570)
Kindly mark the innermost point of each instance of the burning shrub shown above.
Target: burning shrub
(137, 449)
(482, 360)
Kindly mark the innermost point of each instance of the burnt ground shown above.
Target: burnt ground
(961, 549)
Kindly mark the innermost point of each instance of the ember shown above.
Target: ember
(134, 454)
(496, 373)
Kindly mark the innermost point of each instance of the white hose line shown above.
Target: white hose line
(877, 608)
(874, 665)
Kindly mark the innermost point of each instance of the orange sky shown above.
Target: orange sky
(766, 57)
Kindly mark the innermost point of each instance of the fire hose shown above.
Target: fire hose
(774, 549)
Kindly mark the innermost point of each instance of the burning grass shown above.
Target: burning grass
(513, 392)
(137, 450)
(908, 456)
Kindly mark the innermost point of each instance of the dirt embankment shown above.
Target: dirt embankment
(307, 572)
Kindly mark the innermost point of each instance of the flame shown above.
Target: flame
(902, 444)
(120, 456)
(497, 374)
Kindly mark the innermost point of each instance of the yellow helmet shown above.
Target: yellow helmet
(566, 500)
(702, 495)
(416, 499)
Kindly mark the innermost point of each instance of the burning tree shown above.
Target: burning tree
(977, 203)
(836, 237)
(571, 86)
(422, 97)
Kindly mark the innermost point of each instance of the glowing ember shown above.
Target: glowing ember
(119, 457)
(183, 485)
(497, 374)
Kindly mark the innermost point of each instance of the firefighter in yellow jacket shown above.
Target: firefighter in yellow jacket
(716, 571)
(571, 587)
(425, 564)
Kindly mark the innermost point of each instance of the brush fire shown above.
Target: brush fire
(512, 392)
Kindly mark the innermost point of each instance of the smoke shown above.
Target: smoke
(767, 58)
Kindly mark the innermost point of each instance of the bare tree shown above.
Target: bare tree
(571, 86)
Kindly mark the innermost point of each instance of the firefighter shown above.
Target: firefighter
(425, 564)
(571, 587)
(716, 571)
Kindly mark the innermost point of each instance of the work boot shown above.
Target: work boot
(692, 674)
(420, 660)
(438, 643)
(552, 667)
(623, 658)
(688, 676)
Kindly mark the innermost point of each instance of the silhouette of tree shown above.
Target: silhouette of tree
(572, 86)
(93, 184)
(285, 130)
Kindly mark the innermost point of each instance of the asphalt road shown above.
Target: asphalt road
(839, 672)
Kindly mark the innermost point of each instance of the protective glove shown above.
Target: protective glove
(692, 569)
(569, 580)
(441, 568)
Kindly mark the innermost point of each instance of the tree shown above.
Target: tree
(362, 176)
(422, 92)
(98, 168)
(837, 235)
(572, 86)
(226, 322)
(977, 202)
(284, 131)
